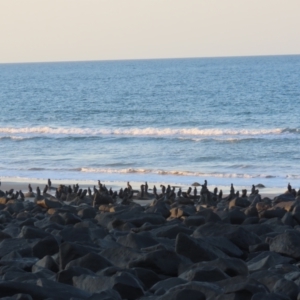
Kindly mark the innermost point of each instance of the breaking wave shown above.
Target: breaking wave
(193, 133)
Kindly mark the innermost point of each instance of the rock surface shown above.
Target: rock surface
(183, 246)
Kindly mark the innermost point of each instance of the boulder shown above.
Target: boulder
(137, 240)
(90, 261)
(196, 250)
(204, 273)
(239, 236)
(287, 243)
(162, 261)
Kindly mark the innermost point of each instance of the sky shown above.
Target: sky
(79, 30)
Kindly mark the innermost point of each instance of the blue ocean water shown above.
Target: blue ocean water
(175, 120)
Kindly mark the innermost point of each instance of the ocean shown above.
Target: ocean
(179, 121)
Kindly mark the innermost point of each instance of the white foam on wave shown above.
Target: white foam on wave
(150, 131)
(180, 173)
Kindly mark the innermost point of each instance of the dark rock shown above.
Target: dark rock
(71, 234)
(127, 286)
(251, 211)
(204, 273)
(124, 283)
(159, 207)
(271, 296)
(69, 218)
(266, 277)
(66, 276)
(230, 266)
(286, 287)
(210, 290)
(42, 290)
(183, 295)
(272, 213)
(91, 261)
(161, 262)
(287, 243)
(247, 288)
(108, 294)
(70, 251)
(225, 245)
(240, 202)
(4, 235)
(163, 286)
(235, 216)
(46, 262)
(147, 277)
(171, 231)
(32, 233)
(266, 260)
(209, 215)
(9, 245)
(196, 250)
(46, 246)
(137, 241)
(87, 213)
(194, 220)
(236, 234)
(259, 247)
(121, 256)
(288, 219)
(46, 203)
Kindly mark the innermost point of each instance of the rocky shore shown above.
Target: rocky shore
(69, 243)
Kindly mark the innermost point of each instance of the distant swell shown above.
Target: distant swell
(181, 173)
(151, 132)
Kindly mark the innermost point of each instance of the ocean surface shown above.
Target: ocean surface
(227, 120)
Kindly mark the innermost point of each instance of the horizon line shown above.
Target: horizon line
(145, 59)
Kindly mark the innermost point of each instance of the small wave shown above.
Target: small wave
(18, 138)
(150, 131)
(183, 173)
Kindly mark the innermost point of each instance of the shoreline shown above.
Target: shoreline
(22, 184)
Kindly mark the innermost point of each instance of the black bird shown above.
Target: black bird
(168, 189)
(189, 191)
(83, 194)
(49, 183)
(195, 192)
(21, 195)
(45, 189)
(79, 192)
(289, 187)
(244, 193)
(154, 190)
(220, 194)
(29, 188)
(142, 190)
(215, 191)
(232, 189)
(10, 192)
(99, 184)
(179, 192)
(69, 190)
(121, 192)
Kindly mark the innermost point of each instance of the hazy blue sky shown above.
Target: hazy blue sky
(59, 30)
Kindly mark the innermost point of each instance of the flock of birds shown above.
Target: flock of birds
(129, 194)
